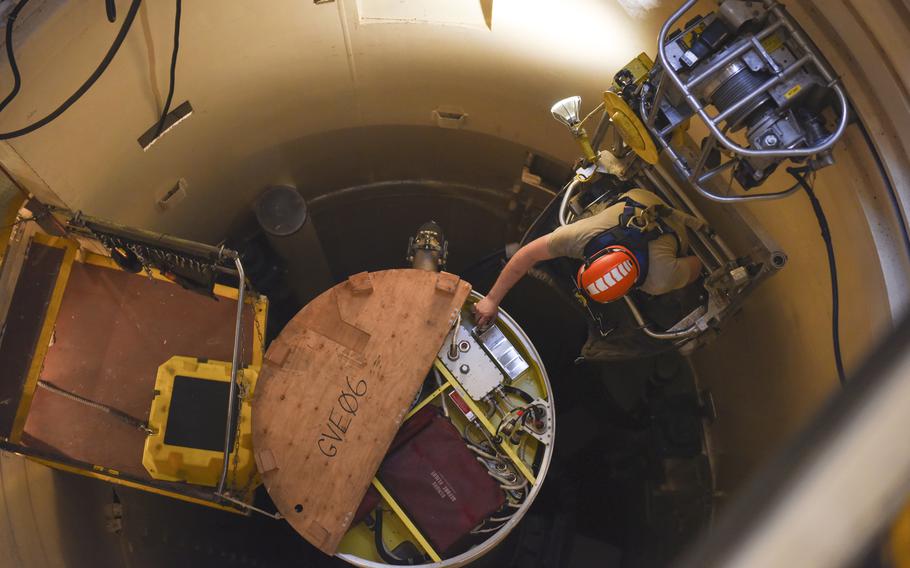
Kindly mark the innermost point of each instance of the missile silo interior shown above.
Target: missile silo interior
(384, 114)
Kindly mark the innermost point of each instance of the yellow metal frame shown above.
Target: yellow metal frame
(506, 447)
(194, 465)
(111, 476)
(47, 330)
(427, 400)
(406, 520)
(260, 307)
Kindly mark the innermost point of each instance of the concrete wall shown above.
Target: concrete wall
(339, 94)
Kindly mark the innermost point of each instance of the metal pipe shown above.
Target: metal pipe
(769, 61)
(235, 362)
(601, 131)
(655, 104)
(686, 333)
(720, 256)
(712, 172)
(742, 198)
(427, 260)
(564, 204)
(801, 40)
(703, 157)
(276, 516)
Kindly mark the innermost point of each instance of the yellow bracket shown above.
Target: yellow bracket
(47, 330)
(110, 476)
(406, 520)
(585, 144)
(506, 447)
(427, 400)
(630, 127)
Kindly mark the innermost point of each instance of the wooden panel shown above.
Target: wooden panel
(113, 331)
(336, 385)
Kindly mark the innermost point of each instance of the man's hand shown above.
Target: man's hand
(527, 256)
(485, 312)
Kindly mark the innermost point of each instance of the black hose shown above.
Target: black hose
(111, 8)
(797, 174)
(386, 556)
(170, 92)
(519, 393)
(17, 78)
(109, 56)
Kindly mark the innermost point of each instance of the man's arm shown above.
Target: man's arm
(527, 256)
(695, 267)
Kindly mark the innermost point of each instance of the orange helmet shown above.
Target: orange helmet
(609, 274)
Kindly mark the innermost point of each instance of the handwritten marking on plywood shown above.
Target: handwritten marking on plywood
(336, 385)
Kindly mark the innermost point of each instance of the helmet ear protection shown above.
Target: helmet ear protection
(608, 275)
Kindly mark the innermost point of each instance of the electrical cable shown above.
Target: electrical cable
(118, 414)
(17, 78)
(797, 174)
(518, 392)
(170, 93)
(111, 8)
(96, 74)
(384, 553)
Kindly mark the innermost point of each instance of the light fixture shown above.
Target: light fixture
(567, 111)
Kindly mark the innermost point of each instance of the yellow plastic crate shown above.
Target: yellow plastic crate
(188, 417)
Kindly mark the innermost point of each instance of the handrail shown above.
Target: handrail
(686, 333)
(235, 362)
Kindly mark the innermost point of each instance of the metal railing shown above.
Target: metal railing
(697, 175)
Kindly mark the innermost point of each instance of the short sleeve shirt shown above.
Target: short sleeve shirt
(666, 272)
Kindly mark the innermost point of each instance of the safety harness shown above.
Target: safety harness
(638, 225)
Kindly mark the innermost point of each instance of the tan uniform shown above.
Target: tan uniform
(665, 271)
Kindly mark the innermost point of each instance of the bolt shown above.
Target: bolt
(770, 141)
(464, 369)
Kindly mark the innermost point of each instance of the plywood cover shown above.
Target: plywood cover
(335, 386)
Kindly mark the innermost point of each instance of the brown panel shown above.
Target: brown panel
(335, 386)
(113, 331)
(24, 321)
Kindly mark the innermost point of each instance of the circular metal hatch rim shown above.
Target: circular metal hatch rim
(488, 545)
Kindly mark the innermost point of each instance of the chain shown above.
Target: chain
(151, 256)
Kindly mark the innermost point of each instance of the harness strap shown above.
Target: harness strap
(632, 239)
(631, 235)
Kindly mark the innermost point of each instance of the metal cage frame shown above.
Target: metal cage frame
(697, 175)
